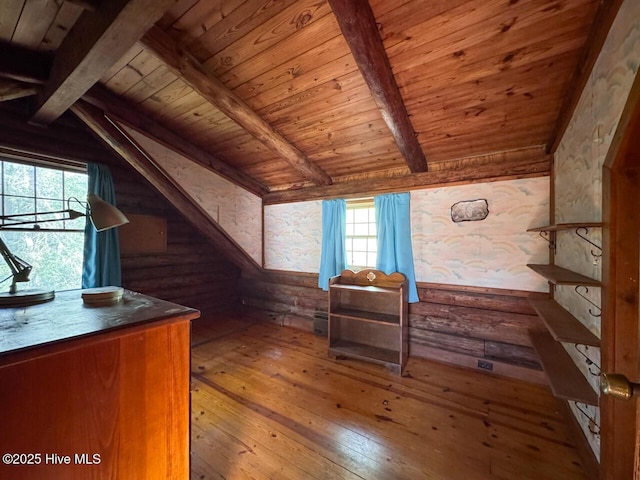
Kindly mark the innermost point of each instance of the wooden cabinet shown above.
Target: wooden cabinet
(94, 393)
(368, 317)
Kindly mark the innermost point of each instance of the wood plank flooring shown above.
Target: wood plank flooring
(267, 403)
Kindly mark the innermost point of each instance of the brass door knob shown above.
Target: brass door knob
(618, 386)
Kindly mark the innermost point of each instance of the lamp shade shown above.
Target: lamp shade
(104, 215)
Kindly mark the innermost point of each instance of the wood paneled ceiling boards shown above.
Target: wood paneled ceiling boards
(301, 99)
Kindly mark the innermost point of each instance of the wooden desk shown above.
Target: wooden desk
(107, 387)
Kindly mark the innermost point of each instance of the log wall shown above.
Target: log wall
(453, 324)
(191, 272)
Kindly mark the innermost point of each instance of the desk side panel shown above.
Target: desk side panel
(125, 399)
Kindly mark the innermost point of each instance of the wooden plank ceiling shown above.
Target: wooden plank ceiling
(478, 78)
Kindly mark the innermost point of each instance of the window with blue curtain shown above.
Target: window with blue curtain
(333, 258)
(101, 260)
(393, 222)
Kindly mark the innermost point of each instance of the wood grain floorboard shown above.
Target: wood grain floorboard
(268, 403)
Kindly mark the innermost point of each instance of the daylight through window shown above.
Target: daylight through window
(53, 249)
(361, 234)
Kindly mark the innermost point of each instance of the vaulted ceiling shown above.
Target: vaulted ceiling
(297, 99)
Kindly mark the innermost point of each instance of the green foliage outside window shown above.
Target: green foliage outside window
(56, 256)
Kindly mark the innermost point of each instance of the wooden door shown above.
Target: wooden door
(620, 442)
(636, 467)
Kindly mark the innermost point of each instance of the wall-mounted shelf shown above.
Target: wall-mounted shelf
(547, 232)
(564, 377)
(563, 326)
(565, 226)
(562, 276)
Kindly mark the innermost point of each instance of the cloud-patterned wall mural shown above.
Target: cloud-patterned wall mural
(236, 210)
(578, 175)
(489, 253)
(293, 236)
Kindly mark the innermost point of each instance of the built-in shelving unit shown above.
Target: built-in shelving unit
(564, 377)
(368, 317)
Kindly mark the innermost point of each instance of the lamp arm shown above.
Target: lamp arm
(12, 218)
(19, 268)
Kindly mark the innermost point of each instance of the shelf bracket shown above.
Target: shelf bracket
(588, 361)
(547, 237)
(583, 295)
(584, 237)
(593, 425)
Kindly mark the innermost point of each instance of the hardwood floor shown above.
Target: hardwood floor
(267, 403)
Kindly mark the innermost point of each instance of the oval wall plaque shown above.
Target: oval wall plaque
(469, 210)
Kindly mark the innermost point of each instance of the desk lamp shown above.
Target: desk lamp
(103, 217)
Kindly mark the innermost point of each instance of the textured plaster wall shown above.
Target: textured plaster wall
(236, 210)
(293, 236)
(578, 178)
(490, 253)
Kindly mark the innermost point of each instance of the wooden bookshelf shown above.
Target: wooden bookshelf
(563, 326)
(566, 380)
(370, 353)
(562, 276)
(366, 288)
(368, 318)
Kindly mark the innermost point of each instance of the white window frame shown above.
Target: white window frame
(34, 200)
(360, 235)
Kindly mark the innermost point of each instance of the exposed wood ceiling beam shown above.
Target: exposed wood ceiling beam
(96, 41)
(108, 102)
(141, 162)
(23, 64)
(604, 18)
(197, 76)
(359, 28)
(10, 89)
(58, 143)
(533, 162)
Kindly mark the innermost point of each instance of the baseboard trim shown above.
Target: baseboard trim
(460, 359)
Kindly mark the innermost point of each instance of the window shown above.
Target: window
(55, 248)
(361, 234)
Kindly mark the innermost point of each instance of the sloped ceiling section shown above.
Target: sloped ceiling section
(124, 145)
(300, 99)
(237, 211)
(474, 78)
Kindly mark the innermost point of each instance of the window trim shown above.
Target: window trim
(71, 167)
(38, 162)
(354, 204)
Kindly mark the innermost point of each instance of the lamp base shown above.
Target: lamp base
(24, 298)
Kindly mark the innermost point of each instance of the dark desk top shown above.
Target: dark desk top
(67, 317)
